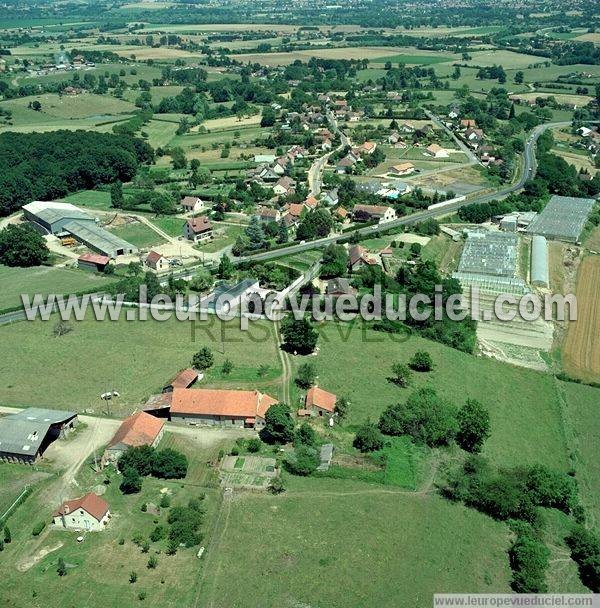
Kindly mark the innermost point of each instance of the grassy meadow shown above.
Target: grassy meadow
(44, 280)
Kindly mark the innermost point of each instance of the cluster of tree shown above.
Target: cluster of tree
(585, 550)
(130, 287)
(431, 420)
(299, 335)
(511, 493)
(22, 246)
(494, 72)
(184, 524)
(528, 557)
(279, 424)
(142, 461)
(315, 225)
(334, 262)
(46, 166)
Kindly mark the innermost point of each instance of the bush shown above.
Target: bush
(528, 560)
(152, 562)
(425, 416)
(279, 424)
(158, 533)
(307, 374)
(165, 501)
(421, 361)
(169, 464)
(253, 445)
(368, 438)
(38, 528)
(131, 483)
(276, 486)
(304, 462)
(305, 435)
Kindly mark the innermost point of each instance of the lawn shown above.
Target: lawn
(94, 199)
(381, 549)
(225, 236)
(44, 280)
(135, 358)
(173, 226)
(138, 234)
(524, 405)
(101, 565)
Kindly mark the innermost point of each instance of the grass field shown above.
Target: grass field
(368, 542)
(582, 413)
(44, 280)
(444, 252)
(524, 405)
(225, 235)
(95, 356)
(173, 226)
(14, 478)
(581, 353)
(413, 59)
(100, 561)
(95, 199)
(138, 234)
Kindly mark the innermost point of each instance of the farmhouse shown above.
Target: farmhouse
(359, 257)
(320, 402)
(93, 261)
(156, 261)
(198, 229)
(344, 164)
(402, 169)
(135, 431)
(228, 408)
(25, 435)
(339, 287)
(366, 213)
(268, 214)
(90, 513)
(192, 204)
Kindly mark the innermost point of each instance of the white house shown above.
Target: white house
(192, 204)
(156, 261)
(198, 229)
(90, 513)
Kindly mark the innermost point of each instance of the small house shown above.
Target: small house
(89, 513)
(402, 169)
(192, 204)
(320, 402)
(93, 261)
(198, 229)
(156, 261)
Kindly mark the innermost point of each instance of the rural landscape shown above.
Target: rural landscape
(176, 179)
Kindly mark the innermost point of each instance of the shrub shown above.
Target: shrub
(585, 551)
(158, 533)
(421, 361)
(253, 445)
(276, 486)
(473, 426)
(304, 462)
(305, 435)
(368, 438)
(529, 560)
(38, 528)
(152, 562)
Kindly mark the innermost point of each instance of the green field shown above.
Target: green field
(95, 199)
(225, 236)
(157, 351)
(413, 59)
(381, 549)
(173, 226)
(100, 562)
(524, 405)
(44, 280)
(138, 234)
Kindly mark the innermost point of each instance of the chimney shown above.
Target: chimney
(66, 509)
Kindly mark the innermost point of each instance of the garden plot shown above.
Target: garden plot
(248, 471)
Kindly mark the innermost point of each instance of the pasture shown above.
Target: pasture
(45, 280)
(368, 541)
(138, 234)
(135, 358)
(524, 405)
(104, 560)
(581, 352)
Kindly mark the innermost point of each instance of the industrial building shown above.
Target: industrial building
(563, 218)
(25, 435)
(489, 253)
(539, 261)
(50, 217)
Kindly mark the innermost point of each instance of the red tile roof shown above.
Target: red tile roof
(139, 429)
(94, 258)
(153, 257)
(199, 224)
(184, 378)
(296, 209)
(212, 402)
(317, 397)
(92, 503)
